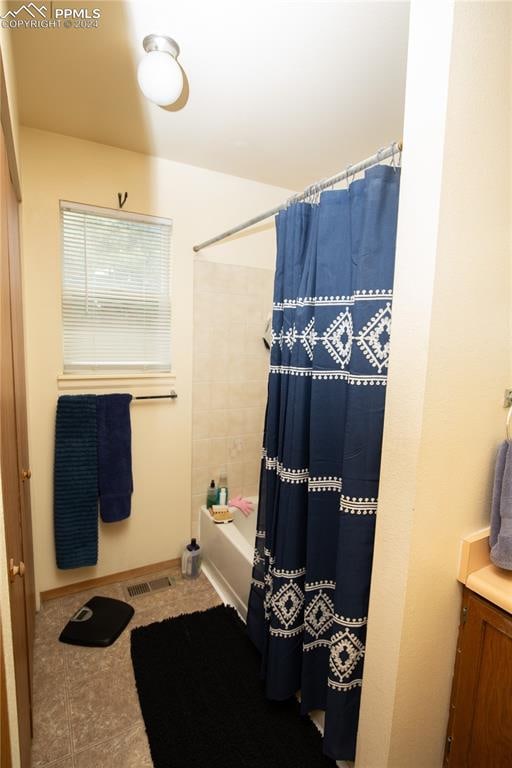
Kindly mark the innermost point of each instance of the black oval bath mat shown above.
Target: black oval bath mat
(198, 680)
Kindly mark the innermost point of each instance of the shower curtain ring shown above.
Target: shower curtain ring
(393, 161)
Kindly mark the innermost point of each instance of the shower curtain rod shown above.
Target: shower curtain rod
(351, 170)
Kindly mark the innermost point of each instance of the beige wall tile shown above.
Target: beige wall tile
(235, 472)
(200, 480)
(256, 310)
(200, 424)
(256, 367)
(217, 453)
(250, 490)
(219, 312)
(215, 470)
(201, 367)
(253, 443)
(253, 339)
(236, 335)
(253, 420)
(201, 395)
(219, 423)
(220, 395)
(238, 394)
(238, 308)
(202, 341)
(201, 310)
(200, 452)
(230, 397)
(218, 365)
(261, 282)
(235, 448)
(237, 279)
(256, 392)
(235, 369)
(236, 421)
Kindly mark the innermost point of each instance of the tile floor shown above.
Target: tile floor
(86, 709)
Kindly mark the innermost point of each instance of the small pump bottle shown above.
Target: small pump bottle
(222, 496)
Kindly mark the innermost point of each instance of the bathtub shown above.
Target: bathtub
(227, 555)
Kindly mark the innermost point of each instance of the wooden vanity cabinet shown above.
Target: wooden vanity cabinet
(480, 724)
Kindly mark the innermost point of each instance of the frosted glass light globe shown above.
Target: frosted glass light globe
(160, 78)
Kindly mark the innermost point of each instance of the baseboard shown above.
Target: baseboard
(112, 578)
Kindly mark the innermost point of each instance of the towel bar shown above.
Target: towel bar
(171, 396)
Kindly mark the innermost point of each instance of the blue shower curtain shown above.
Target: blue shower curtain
(322, 443)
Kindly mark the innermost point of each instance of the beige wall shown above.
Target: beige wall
(231, 306)
(450, 363)
(200, 203)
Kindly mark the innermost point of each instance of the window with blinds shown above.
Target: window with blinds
(116, 309)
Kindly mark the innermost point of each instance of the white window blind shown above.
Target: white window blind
(116, 310)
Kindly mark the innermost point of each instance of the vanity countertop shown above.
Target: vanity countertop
(479, 575)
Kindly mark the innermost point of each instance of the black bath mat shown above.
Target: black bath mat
(203, 703)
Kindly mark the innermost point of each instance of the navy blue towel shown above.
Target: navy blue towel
(114, 457)
(76, 482)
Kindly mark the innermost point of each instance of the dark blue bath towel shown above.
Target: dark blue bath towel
(76, 482)
(114, 457)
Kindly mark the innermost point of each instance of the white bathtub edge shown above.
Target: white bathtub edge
(223, 589)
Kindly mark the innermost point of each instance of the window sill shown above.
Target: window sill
(136, 384)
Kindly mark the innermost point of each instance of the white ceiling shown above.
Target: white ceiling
(281, 92)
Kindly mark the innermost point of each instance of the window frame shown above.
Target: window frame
(85, 377)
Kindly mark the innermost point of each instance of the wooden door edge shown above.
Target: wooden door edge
(5, 731)
(6, 123)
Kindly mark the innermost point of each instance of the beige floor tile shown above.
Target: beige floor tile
(128, 750)
(51, 727)
(47, 617)
(49, 653)
(83, 662)
(86, 707)
(49, 667)
(103, 706)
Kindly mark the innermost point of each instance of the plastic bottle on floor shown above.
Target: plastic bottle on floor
(191, 560)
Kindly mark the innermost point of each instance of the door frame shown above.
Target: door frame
(5, 740)
(6, 123)
(6, 736)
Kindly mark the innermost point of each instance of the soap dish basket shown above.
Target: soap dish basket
(221, 514)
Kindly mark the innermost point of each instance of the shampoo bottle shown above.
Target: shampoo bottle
(211, 495)
(191, 560)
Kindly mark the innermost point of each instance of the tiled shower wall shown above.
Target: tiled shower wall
(231, 306)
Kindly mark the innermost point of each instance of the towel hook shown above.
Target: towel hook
(507, 425)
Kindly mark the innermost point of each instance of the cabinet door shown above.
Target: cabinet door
(480, 729)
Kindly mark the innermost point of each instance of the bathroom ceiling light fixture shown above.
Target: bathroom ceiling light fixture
(159, 74)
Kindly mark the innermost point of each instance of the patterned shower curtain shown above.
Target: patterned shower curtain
(322, 443)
